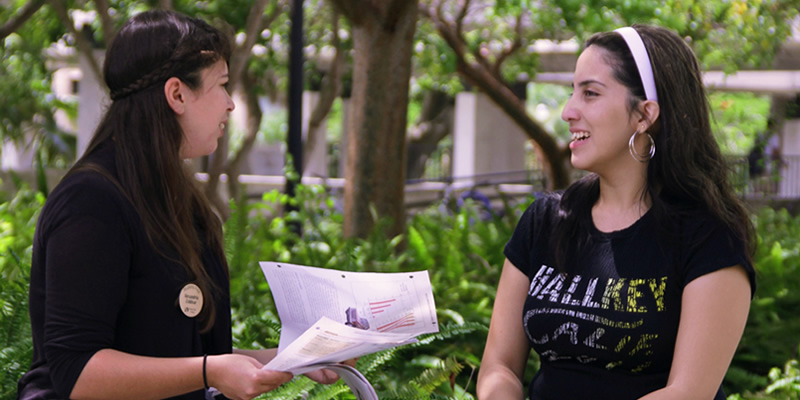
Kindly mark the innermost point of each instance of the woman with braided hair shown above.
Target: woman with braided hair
(129, 289)
(634, 282)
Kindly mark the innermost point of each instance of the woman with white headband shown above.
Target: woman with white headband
(635, 282)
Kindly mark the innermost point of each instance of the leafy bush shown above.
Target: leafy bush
(17, 220)
(784, 384)
(771, 335)
(462, 250)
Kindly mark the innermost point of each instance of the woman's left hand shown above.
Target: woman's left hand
(326, 376)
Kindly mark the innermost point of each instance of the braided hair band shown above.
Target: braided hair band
(150, 79)
(160, 74)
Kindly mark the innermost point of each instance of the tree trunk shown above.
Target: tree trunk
(434, 124)
(383, 32)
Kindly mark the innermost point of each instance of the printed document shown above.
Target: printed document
(329, 316)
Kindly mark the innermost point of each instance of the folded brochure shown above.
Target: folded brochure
(329, 316)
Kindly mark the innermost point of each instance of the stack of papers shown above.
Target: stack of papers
(329, 316)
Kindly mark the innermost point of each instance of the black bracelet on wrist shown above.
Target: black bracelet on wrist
(205, 379)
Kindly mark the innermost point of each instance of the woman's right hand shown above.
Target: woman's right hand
(241, 377)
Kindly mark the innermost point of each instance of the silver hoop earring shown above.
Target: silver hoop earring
(635, 154)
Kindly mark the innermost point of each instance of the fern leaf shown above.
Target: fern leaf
(371, 362)
(297, 388)
(430, 379)
(328, 392)
(449, 331)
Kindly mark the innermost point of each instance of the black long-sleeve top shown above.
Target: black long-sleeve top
(97, 283)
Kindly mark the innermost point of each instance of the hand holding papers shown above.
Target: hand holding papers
(329, 316)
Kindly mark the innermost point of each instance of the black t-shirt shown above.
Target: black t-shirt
(97, 282)
(608, 330)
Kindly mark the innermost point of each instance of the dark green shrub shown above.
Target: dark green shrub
(463, 254)
(17, 220)
(772, 334)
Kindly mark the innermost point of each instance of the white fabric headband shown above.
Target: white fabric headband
(642, 60)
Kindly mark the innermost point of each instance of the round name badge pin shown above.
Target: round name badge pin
(191, 300)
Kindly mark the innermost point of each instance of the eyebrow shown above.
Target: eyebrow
(589, 82)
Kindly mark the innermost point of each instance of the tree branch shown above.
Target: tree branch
(23, 14)
(165, 4)
(445, 30)
(241, 54)
(480, 75)
(501, 95)
(251, 30)
(515, 45)
(81, 42)
(452, 34)
(462, 14)
(272, 16)
(253, 124)
(480, 59)
(436, 106)
(105, 21)
(328, 92)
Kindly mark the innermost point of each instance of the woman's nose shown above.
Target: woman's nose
(569, 113)
(231, 104)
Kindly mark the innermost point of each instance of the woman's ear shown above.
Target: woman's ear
(173, 90)
(650, 112)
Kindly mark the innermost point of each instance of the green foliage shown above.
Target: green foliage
(27, 106)
(738, 118)
(17, 219)
(462, 253)
(434, 63)
(461, 249)
(785, 382)
(423, 386)
(771, 336)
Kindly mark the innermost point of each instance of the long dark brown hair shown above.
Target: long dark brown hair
(150, 48)
(687, 171)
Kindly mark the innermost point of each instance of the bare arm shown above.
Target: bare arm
(263, 356)
(713, 316)
(507, 349)
(114, 374)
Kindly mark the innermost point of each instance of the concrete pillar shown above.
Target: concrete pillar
(17, 156)
(789, 185)
(267, 159)
(93, 101)
(66, 82)
(485, 139)
(315, 160)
